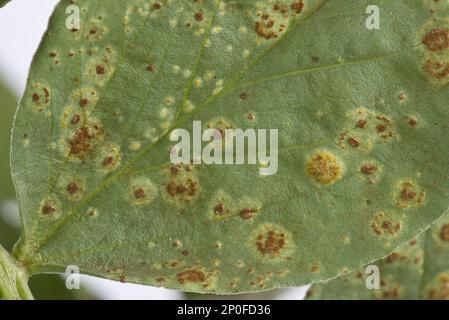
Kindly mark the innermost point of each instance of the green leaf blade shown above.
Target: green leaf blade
(417, 270)
(102, 101)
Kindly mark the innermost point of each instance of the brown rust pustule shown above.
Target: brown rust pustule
(297, 6)
(182, 185)
(437, 39)
(436, 69)
(444, 234)
(84, 140)
(219, 209)
(199, 16)
(368, 169)
(247, 213)
(271, 242)
(263, 31)
(48, 209)
(73, 188)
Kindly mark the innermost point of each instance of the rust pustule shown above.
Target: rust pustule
(219, 209)
(445, 232)
(368, 169)
(437, 70)
(412, 122)
(247, 213)
(199, 16)
(393, 257)
(262, 31)
(185, 253)
(381, 128)
(297, 6)
(108, 161)
(151, 68)
(139, 193)
(76, 119)
(83, 103)
(83, 139)
(174, 170)
(48, 209)
(362, 124)
(407, 194)
(73, 188)
(437, 39)
(35, 97)
(101, 70)
(191, 276)
(353, 142)
(190, 188)
(324, 167)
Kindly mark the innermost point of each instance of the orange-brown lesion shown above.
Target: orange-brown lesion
(437, 39)
(437, 69)
(441, 290)
(182, 185)
(386, 224)
(444, 233)
(270, 242)
(85, 139)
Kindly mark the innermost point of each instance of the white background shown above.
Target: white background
(22, 24)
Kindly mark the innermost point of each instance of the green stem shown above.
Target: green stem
(13, 278)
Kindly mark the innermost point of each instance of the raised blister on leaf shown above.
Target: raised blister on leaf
(359, 117)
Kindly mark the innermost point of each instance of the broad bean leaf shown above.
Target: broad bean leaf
(361, 115)
(417, 270)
